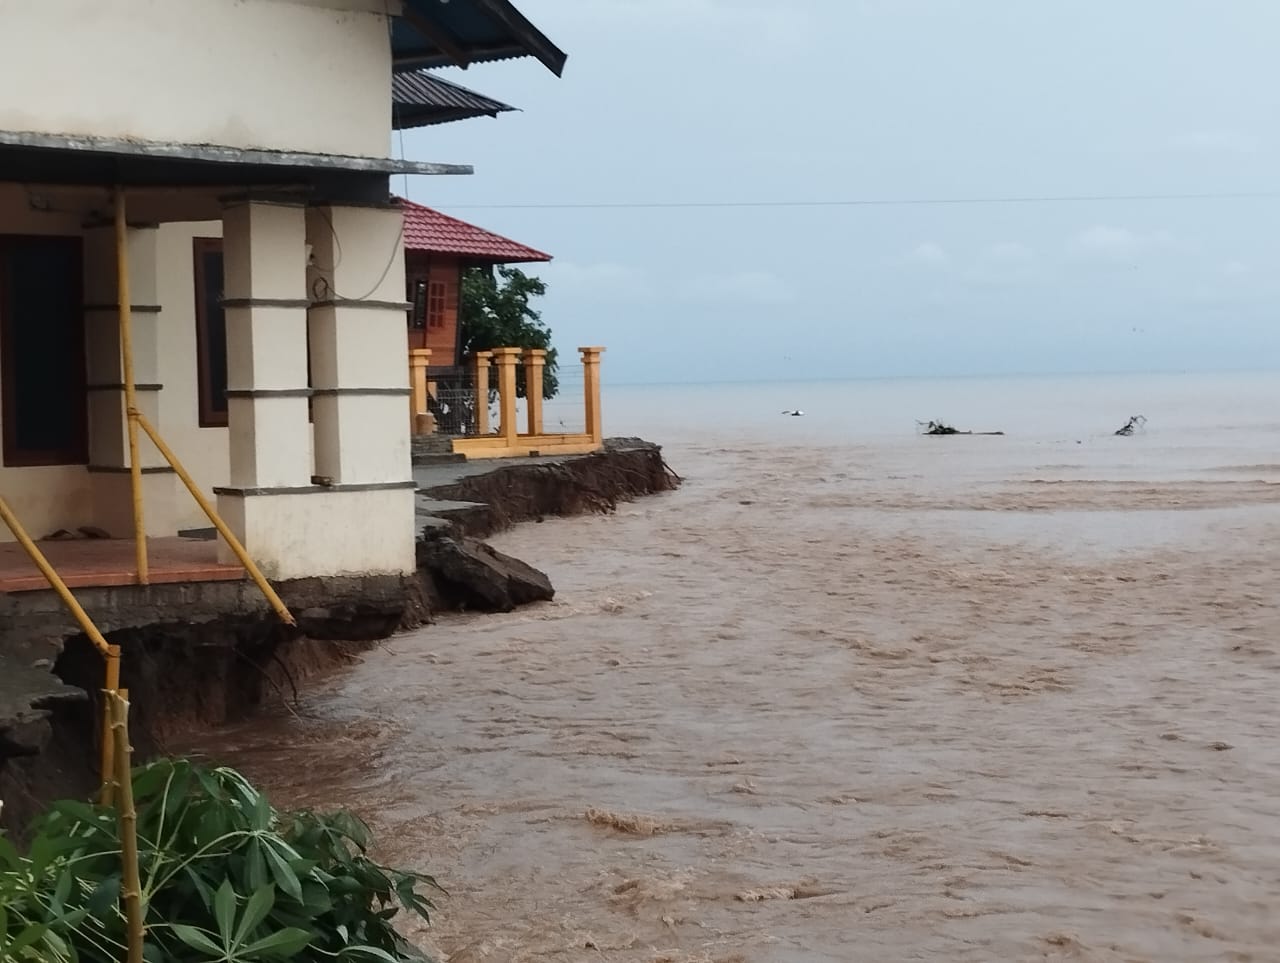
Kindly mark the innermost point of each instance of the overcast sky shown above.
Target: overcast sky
(828, 100)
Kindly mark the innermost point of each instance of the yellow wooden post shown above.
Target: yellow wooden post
(483, 359)
(130, 390)
(535, 359)
(419, 360)
(591, 392)
(505, 359)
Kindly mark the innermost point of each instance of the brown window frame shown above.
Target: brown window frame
(437, 303)
(78, 452)
(209, 416)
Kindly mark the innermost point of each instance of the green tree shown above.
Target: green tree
(495, 312)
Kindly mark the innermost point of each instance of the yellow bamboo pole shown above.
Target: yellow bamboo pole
(131, 890)
(111, 653)
(249, 565)
(53, 578)
(110, 689)
(130, 390)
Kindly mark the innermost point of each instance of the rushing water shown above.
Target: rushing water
(852, 693)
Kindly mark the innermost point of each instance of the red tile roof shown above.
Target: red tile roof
(428, 230)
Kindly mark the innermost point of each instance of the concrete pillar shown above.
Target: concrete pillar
(506, 359)
(483, 360)
(535, 360)
(358, 368)
(420, 420)
(265, 302)
(591, 392)
(104, 367)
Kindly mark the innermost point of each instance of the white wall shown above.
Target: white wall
(303, 75)
(204, 452)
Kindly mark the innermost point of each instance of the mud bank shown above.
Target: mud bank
(201, 655)
(535, 489)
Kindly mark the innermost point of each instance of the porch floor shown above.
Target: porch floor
(107, 562)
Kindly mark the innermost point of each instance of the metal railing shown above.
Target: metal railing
(564, 413)
(453, 402)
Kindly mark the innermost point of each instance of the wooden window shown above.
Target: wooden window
(211, 336)
(436, 303)
(42, 351)
(211, 333)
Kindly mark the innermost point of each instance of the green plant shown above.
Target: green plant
(225, 877)
(496, 313)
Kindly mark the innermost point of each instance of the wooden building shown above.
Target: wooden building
(437, 249)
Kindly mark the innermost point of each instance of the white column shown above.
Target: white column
(108, 431)
(265, 304)
(359, 361)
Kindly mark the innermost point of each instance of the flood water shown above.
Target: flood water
(851, 693)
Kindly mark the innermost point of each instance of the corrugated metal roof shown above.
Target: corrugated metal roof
(441, 33)
(420, 98)
(429, 230)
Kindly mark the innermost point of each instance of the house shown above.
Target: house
(437, 249)
(240, 150)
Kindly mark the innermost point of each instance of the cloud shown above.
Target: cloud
(604, 279)
(1005, 262)
(929, 254)
(1215, 142)
(751, 287)
(1117, 244)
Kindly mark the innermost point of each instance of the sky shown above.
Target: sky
(751, 101)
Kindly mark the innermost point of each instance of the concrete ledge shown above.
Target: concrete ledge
(360, 392)
(497, 446)
(315, 489)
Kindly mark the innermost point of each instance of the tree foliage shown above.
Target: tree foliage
(495, 311)
(225, 877)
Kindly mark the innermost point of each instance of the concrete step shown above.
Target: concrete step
(450, 459)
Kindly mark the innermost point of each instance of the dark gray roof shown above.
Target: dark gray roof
(420, 98)
(442, 33)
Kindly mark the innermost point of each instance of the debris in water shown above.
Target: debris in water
(771, 892)
(625, 823)
(942, 428)
(1135, 423)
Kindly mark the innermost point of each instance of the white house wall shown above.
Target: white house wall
(203, 451)
(299, 75)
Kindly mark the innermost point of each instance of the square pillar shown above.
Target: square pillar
(265, 303)
(420, 419)
(104, 369)
(482, 360)
(354, 514)
(535, 360)
(591, 392)
(505, 359)
(359, 377)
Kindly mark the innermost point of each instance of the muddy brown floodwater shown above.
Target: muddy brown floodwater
(838, 705)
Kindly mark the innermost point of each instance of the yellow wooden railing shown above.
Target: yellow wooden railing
(508, 440)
